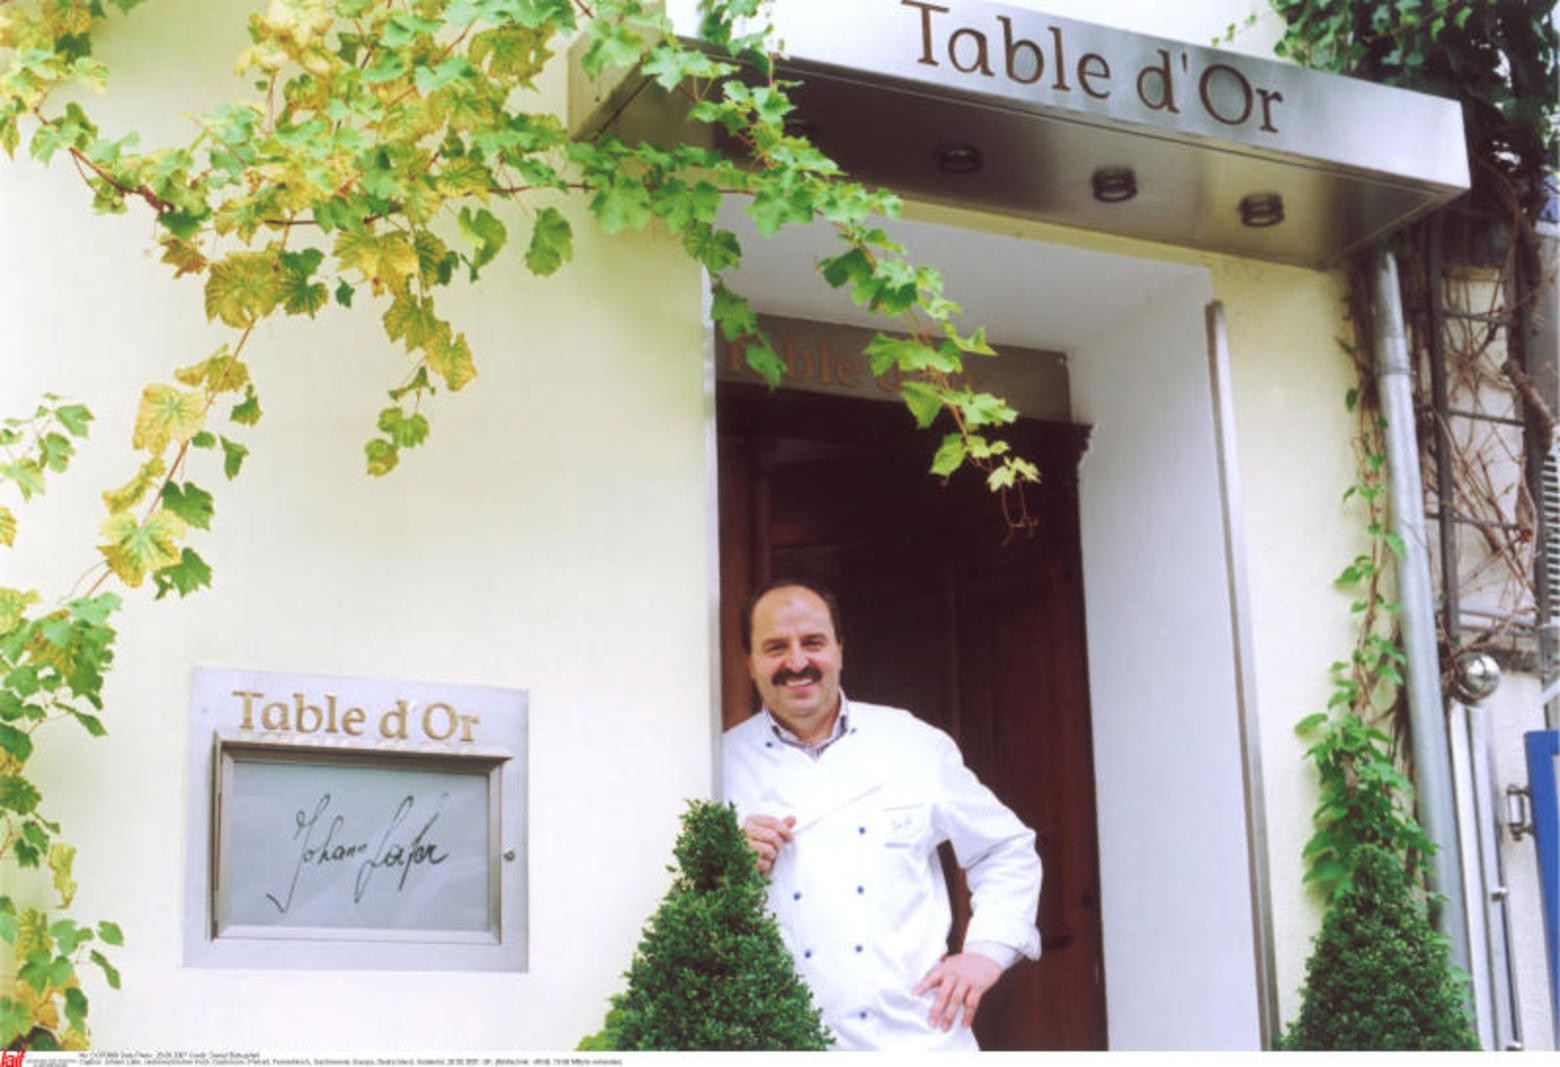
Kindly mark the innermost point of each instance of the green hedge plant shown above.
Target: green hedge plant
(1379, 977)
(711, 972)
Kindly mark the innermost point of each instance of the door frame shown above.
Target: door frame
(1176, 865)
(776, 444)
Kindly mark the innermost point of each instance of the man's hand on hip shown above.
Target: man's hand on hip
(765, 834)
(960, 982)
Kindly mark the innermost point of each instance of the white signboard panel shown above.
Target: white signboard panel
(361, 847)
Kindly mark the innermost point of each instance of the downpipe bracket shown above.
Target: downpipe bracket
(1519, 811)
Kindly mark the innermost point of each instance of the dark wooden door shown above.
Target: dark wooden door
(978, 633)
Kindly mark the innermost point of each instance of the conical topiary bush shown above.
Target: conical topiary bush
(1379, 977)
(711, 972)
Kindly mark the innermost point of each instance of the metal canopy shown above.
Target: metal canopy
(1005, 109)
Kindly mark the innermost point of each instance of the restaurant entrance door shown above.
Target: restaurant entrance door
(976, 632)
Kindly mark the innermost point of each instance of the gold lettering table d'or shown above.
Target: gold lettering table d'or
(355, 823)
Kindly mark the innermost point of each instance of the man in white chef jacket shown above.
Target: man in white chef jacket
(844, 804)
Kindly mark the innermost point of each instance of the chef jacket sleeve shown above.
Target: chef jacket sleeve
(997, 852)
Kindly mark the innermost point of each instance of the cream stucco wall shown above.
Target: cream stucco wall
(1178, 925)
(553, 535)
(1290, 377)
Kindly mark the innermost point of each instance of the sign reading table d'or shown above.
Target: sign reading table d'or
(350, 818)
(1028, 59)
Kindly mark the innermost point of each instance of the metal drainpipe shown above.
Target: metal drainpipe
(1426, 710)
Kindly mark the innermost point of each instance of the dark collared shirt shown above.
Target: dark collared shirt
(785, 736)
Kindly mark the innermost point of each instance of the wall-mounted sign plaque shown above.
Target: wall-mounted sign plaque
(825, 357)
(343, 822)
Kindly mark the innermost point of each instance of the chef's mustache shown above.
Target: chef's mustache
(784, 675)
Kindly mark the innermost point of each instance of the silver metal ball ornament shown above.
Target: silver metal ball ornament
(1475, 675)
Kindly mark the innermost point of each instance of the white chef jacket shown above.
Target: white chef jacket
(859, 891)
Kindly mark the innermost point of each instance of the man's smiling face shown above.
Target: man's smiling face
(796, 659)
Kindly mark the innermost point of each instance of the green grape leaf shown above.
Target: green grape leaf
(761, 356)
(135, 549)
(984, 409)
(27, 476)
(76, 1008)
(401, 30)
(220, 373)
(185, 577)
(611, 45)
(484, 230)
(382, 456)
(15, 1020)
(24, 681)
(16, 742)
(465, 176)
(184, 257)
(62, 859)
(621, 204)
(906, 353)
(183, 225)
(244, 287)
(451, 360)
(110, 972)
(924, 401)
(35, 971)
(129, 495)
(189, 502)
(233, 455)
(716, 250)
(91, 723)
(13, 603)
(386, 260)
(669, 65)
(776, 205)
(56, 451)
(387, 67)
(949, 456)
(974, 344)
(732, 313)
(679, 205)
(516, 53)
(167, 414)
(247, 411)
(300, 296)
(552, 242)
(771, 104)
(435, 262)
(413, 321)
(405, 431)
(18, 794)
(450, 70)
